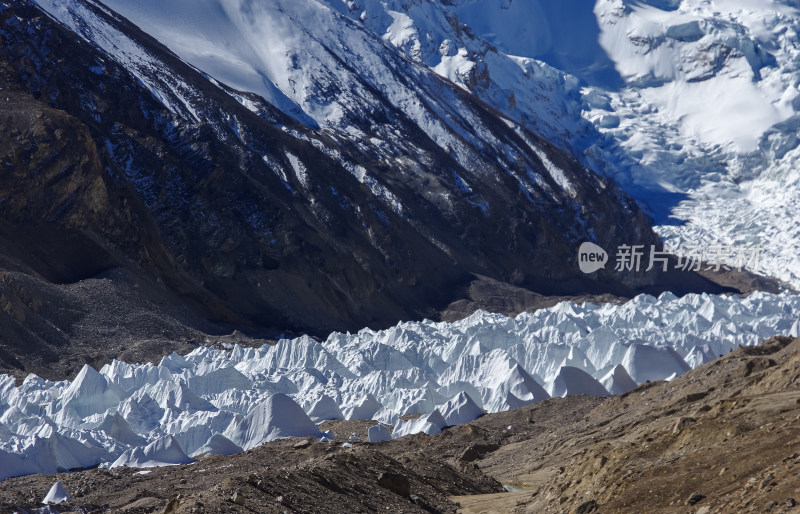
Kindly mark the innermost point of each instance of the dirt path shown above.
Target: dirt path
(496, 503)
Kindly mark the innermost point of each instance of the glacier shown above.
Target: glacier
(227, 398)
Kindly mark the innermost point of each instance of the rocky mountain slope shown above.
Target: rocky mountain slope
(376, 193)
(691, 105)
(722, 437)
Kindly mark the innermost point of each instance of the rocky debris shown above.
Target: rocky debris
(694, 397)
(238, 498)
(682, 423)
(586, 507)
(396, 483)
(477, 451)
(302, 444)
(600, 462)
(694, 498)
(737, 440)
(274, 477)
(171, 506)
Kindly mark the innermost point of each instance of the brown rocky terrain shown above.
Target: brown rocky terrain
(724, 437)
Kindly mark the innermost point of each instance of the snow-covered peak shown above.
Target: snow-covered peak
(715, 69)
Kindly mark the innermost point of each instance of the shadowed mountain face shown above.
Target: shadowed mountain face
(120, 161)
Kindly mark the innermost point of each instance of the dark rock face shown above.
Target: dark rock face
(165, 173)
(395, 482)
(694, 498)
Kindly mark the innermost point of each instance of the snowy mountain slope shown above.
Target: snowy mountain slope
(324, 63)
(385, 192)
(414, 367)
(444, 36)
(678, 101)
(690, 105)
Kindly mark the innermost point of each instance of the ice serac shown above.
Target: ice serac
(646, 362)
(91, 393)
(444, 372)
(302, 352)
(379, 433)
(431, 424)
(217, 381)
(460, 409)
(502, 403)
(141, 412)
(180, 397)
(522, 385)
(699, 355)
(174, 362)
(569, 381)
(47, 452)
(363, 408)
(325, 408)
(218, 444)
(57, 494)
(276, 417)
(164, 451)
(117, 427)
(617, 380)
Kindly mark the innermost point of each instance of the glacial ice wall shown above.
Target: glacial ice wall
(222, 400)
